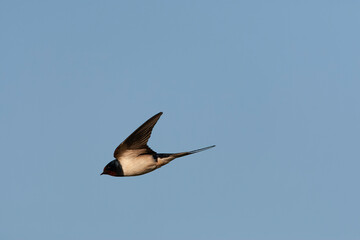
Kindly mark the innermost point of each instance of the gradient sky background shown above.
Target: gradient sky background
(274, 84)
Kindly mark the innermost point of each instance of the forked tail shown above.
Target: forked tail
(165, 158)
(182, 154)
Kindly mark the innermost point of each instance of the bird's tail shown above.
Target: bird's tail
(164, 158)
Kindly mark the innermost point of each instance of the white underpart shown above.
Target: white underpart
(134, 164)
(163, 161)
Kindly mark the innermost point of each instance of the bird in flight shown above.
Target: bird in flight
(134, 157)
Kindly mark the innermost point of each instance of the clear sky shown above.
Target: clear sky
(274, 84)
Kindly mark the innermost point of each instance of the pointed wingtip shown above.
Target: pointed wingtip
(158, 115)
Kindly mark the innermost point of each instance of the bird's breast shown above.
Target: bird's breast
(137, 165)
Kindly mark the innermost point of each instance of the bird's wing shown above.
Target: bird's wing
(139, 138)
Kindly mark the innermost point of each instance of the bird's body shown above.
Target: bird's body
(134, 157)
(134, 164)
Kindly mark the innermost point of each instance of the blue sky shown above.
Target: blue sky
(274, 84)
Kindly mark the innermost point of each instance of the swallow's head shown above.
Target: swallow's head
(113, 168)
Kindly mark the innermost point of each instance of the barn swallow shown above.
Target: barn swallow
(134, 157)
